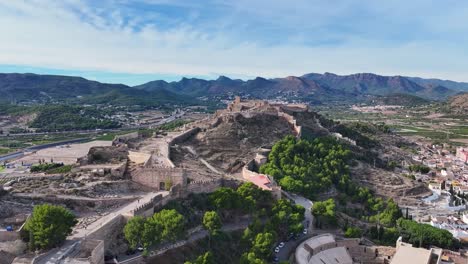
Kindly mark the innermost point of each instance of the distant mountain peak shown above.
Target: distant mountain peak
(223, 78)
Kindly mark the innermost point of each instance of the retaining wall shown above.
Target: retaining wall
(124, 138)
(109, 231)
(9, 236)
(154, 176)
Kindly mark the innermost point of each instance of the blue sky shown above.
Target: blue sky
(134, 41)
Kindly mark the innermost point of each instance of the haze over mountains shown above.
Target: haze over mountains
(311, 87)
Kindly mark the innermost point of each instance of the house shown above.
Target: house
(462, 154)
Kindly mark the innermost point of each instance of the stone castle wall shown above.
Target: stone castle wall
(109, 231)
(180, 191)
(97, 253)
(9, 236)
(124, 138)
(158, 177)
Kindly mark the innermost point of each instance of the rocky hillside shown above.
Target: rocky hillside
(459, 104)
(36, 88)
(310, 87)
(313, 88)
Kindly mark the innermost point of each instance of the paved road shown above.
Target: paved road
(291, 245)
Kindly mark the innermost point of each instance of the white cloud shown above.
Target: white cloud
(78, 36)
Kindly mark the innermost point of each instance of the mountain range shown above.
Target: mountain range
(313, 87)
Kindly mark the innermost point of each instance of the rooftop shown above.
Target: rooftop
(320, 240)
(337, 255)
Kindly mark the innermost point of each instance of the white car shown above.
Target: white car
(305, 231)
(277, 249)
(281, 245)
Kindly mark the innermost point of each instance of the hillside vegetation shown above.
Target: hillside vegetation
(63, 117)
(459, 104)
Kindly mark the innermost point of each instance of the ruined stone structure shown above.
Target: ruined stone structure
(160, 178)
(87, 251)
(159, 172)
(252, 107)
(179, 191)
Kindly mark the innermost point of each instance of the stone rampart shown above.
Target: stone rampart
(9, 236)
(341, 137)
(160, 178)
(109, 231)
(179, 191)
(124, 138)
(292, 122)
(88, 251)
(184, 136)
(97, 253)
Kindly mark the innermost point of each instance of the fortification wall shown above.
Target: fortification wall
(147, 209)
(184, 136)
(89, 251)
(292, 121)
(97, 253)
(203, 186)
(109, 231)
(180, 191)
(9, 236)
(340, 137)
(159, 178)
(124, 138)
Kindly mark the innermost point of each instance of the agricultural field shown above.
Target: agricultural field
(423, 122)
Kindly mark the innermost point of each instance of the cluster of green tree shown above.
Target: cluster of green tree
(45, 167)
(11, 109)
(384, 235)
(18, 130)
(60, 170)
(66, 117)
(369, 128)
(374, 209)
(424, 235)
(324, 212)
(229, 203)
(182, 214)
(260, 237)
(173, 125)
(353, 132)
(247, 198)
(206, 258)
(387, 212)
(137, 99)
(308, 167)
(165, 225)
(353, 232)
(257, 242)
(48, 226)
(409, 176)
(419, 168)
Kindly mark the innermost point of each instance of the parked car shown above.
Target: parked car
(277, 249)
(305, 231)
(281, 244)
